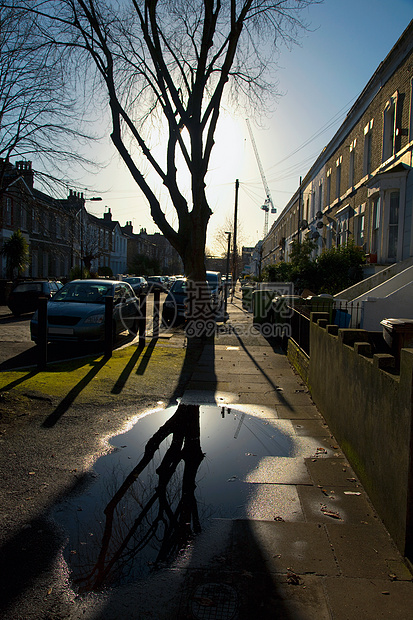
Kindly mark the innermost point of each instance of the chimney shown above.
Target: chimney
(128, 228)
(107, 217)
(24, 169)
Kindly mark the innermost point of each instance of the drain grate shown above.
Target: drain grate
(214, 601)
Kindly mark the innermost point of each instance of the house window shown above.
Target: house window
(338, 176)
(23, 218)
(393, 224)
(389, 128)
(46, 224)
(367, 148)
(35, 264)
(352, 164)
(328, 188)
(35, 221)
(359, 225)
(8, 215)
(329, 235)
(342, 228)
(45, 264)
(375, 224)
(320, 196)
(411, 112)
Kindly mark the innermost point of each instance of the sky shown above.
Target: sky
(319, 80)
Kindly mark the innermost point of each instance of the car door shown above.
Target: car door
(125, 303)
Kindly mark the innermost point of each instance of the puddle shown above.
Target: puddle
(166, 478)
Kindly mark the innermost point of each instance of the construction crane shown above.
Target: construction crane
(268, 204)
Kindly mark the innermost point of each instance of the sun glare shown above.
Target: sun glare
(228, 152)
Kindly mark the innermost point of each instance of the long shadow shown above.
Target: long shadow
(262, 371)
(16, 382)
(146, 357)
(127, 371)
(68, 400)
(29, 553)
(194, 350)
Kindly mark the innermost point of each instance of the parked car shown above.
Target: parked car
(156, 283)
(215, 286)
(76, 313)
(25, 295)
(174, 306)
(138, 283)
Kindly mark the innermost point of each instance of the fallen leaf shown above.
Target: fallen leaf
(293, 579)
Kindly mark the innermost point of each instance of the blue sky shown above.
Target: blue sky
(319, 81)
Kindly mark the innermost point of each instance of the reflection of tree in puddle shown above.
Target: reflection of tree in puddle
(162, 515)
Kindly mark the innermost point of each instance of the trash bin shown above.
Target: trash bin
(398, 334)
(261, 305)
(282, 307)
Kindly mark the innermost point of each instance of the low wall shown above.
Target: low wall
(299, 359)
(368, 408)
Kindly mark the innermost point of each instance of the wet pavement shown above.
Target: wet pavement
(290, 532)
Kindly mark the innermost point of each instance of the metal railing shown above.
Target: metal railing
(342, 314)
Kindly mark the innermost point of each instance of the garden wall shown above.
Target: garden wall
(368, 407)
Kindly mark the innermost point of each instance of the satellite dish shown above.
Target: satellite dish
(319, 215)
(319, 224)
(315, 235)
(303, 224)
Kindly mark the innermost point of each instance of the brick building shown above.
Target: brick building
(361, 186)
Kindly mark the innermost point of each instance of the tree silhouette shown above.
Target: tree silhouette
(167, 512)
(165, 70)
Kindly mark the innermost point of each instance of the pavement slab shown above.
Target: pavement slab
(368, 599)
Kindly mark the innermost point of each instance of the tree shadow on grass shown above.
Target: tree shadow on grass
(127, 371)
(69, 399)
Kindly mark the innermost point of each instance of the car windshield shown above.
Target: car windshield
(179, 286)
(83, 292)
(28, 286)
(212, 279)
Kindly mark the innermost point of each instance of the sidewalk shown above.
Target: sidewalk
(313, 547)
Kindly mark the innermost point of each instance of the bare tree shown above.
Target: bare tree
(37, 102)
(166, 65)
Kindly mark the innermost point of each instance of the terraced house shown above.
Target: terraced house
(361, 186)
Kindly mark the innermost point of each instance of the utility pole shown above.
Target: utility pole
(234, 253)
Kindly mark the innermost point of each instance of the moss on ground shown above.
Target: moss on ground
(130, 372)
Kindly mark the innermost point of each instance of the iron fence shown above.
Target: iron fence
(341, 313)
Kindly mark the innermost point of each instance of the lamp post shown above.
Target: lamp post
(227, 276)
